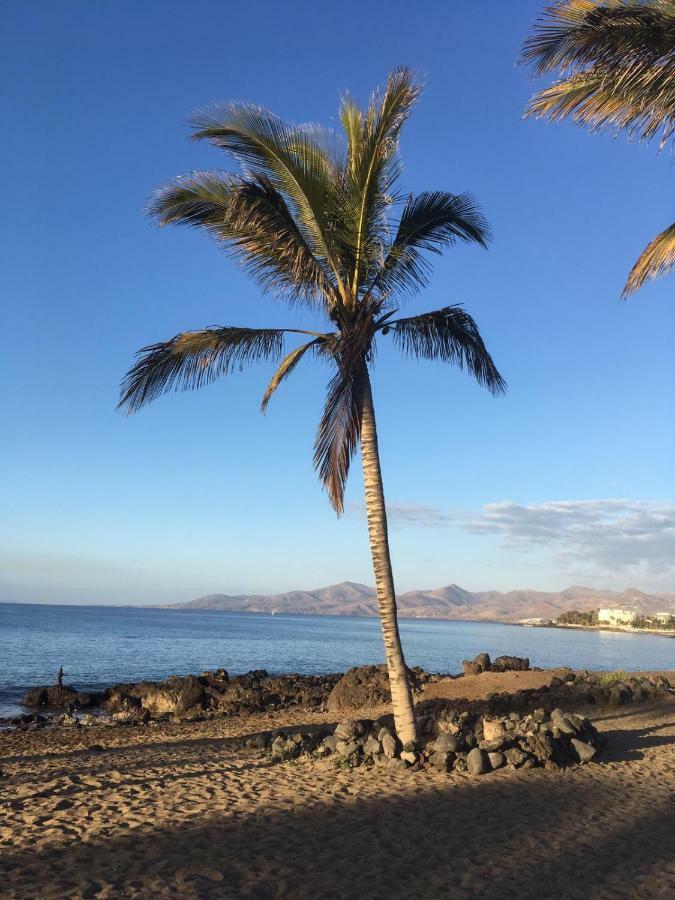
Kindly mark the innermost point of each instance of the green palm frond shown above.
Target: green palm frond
(450, 335)
(351, 119)
(618, 59)
(193, 359)
(295, 158)
(374, 166)
(251, 218)
(286, 367)
(429, 222)
(339, 433)
(656, 259)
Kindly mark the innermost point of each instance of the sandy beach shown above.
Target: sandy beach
(173, 811)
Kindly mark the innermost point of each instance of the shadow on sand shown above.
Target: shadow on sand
(530, 836)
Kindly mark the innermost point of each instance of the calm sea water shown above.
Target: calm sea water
(98, 646)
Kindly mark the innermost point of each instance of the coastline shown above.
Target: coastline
(619, 629)
(281, 614)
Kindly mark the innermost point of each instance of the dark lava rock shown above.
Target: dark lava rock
(584, 752)
(365, 686)
(541, 746)
(477, 762)
(447, 743)
(441, 761)
(510, 664)
(497, 760)
(619, 694)
(190, 696)
(388, 742)
(351, 729)
(515, 756)
(59, 697)
(502, 664)
(475, 666)
(372, 746)
(563, 722)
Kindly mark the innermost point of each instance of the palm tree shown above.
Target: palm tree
(617, 59)
(310, 218)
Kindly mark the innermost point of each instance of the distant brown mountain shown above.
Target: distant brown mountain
(451, 602)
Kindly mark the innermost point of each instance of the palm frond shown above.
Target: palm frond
(339, 433)
(252, 221)
(193, 359)
(374, 166)
(642, 105)
(296, 159)
(450, 335)
(429, 222)
(287, 365)
(656, 259)
(618, 59)
(574, 33)
(351, 118)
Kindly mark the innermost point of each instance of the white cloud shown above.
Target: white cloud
(610, 534)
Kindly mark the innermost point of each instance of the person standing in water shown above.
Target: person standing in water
(59, 677)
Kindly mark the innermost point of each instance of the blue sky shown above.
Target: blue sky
(569, 478)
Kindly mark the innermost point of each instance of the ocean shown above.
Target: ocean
(99, 646)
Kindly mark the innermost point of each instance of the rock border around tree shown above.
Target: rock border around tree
(461, 742)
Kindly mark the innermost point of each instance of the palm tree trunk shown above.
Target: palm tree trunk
(376, 513)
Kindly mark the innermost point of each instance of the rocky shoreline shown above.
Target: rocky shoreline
(184, 698)
(217, 694)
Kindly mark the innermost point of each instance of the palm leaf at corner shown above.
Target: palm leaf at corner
(656, 259)
(615, 61)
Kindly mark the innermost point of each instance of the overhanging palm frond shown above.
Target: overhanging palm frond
(339, 433)
(451, 335)
(194, 359)
(658, 258)
(295, 158)
(618, 59)
(429, 222)
(641, 106)
(573, 32)
(251, 218)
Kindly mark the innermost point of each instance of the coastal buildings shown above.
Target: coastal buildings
(617, 615)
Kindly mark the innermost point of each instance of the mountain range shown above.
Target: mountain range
(451, 602)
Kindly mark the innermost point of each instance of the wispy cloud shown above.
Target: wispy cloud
(610, 534)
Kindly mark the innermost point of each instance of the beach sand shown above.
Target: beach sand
(172, 811)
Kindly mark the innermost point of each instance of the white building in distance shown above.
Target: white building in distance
(617, 616)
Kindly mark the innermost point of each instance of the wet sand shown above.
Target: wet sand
(173, 812)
